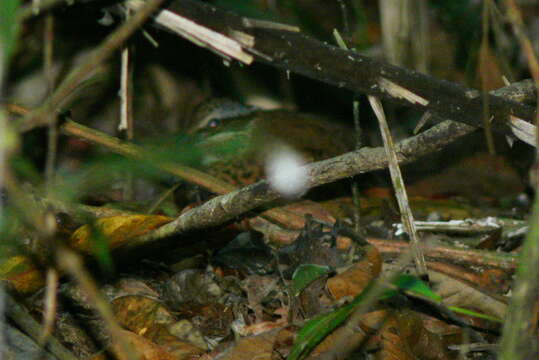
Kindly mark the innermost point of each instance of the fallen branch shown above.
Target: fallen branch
(226, 207)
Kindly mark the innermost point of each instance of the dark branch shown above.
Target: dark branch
(304, 55)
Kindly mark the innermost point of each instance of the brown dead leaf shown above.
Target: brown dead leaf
(460, 293)
(355, 279)
(495, 281)
(390, 335)
(152, 351)
(436, 337)
(264, 326)
(118, 229)
(143, 316)
(149, 318)
(394, 341)
(257, 288)
(181, 349)
(258, 347)
(350, 339)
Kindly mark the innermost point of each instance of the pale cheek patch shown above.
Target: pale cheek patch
(285, 172)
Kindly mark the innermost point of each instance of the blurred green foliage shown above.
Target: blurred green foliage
(9, 26)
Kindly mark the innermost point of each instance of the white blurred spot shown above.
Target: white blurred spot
(285, 172)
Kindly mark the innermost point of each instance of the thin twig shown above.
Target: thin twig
(357, 132)
(83, 213)
(220, 44)
(26, 322)
(400, 190)
(466, 257)
(191, 175)
(49, 315)
(72, 265)
(484, 74)
(103, 52)
(126, 107)
(52, 138)
(355, 184)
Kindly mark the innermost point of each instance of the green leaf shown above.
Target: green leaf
(306, 274)
(474, 314)
(315, 330)
(413, 284)
(9, 26)
(101, 250)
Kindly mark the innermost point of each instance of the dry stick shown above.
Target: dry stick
(355, 183)
(52, 138)
(72, 264)
(84, 213)
(223, 208)
(126, 95)
(194, 176)
(26, 322)
(465, 257)
(519, 339)
(484, 74)
(103, 52)
(126, 107)
(400, 191)
(357, 131)
(50, 306)
(227, 47)
(80, 213)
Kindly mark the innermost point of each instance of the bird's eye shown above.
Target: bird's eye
(213, 123)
